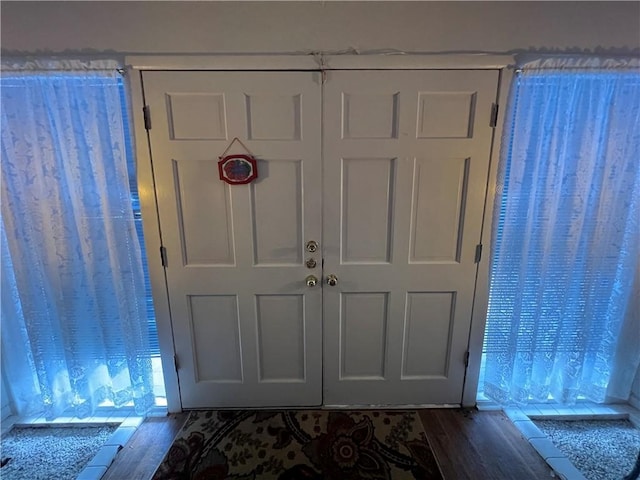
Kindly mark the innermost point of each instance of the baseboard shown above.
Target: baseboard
(388, 407)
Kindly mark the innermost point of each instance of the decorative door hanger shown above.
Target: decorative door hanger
(237, 169)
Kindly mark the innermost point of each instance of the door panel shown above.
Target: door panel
(207, 243)
(277, 236)
(280, 338)
(366, 210)
(363, 335)
(247, 330)
(216, 343)
(445, 181)
(428, 316)
(406, 155)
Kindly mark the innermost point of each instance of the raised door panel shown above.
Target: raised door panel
(427, 316)
(281, 343)
(367, 195)
(205, 218)
(196, 116)
(215, 326)
(276, 211)
(363, 335)
(438, 203)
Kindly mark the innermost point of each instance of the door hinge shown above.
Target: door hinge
(466, 358)
(175, 362)
(147, 117)
(493, 121)
(163, 256)
(478, 253)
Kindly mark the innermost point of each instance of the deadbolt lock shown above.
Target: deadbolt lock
(311, 263)
(312, 246)
(311, 281)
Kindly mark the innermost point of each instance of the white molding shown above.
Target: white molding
(320, 62)
(481, 297)
(152, 240)
(222, 62)
(418, 62)
(416, 406)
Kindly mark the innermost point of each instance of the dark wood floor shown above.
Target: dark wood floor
(145, 450)
(467, 444)
(482, 446)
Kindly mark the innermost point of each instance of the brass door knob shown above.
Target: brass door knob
(332, 280)
(311, 281)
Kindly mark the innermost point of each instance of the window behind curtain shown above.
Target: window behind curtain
(137, 215)
(78, 329)
(566, 241)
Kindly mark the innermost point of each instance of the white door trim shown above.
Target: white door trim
(481, 297)
(153, 241)
(320, 61)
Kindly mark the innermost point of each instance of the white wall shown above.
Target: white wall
(276, 27)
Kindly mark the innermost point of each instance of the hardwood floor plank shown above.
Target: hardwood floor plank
(471, 445)
(146, 449)
(467, 444)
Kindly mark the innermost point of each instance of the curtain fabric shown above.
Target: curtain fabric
(74, 331)
(566, 243)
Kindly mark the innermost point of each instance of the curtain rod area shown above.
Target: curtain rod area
(518, 69)
(61, 64)
(526, 62)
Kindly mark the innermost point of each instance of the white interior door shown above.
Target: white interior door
(406, 156)
(390, 181)
(247, 330)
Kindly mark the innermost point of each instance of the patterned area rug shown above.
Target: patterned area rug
(304, 444)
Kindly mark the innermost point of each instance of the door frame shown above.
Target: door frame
(149, 191)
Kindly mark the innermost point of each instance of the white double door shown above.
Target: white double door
(385, 170)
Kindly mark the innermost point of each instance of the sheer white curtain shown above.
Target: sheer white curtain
(566, 235)
(74, 327)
